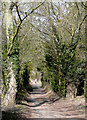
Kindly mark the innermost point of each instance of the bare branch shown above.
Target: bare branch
(77, 6)
(18, 13)
(33, 10)
(38, 29)
(83, 5)
(12, 6)
(78, 29)
(18, 27)
(67, 30)
(82, 22)
(23, 39)
(54, 12)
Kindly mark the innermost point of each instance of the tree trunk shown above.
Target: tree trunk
(9, 98)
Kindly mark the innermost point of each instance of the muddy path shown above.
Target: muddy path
(38, 104)
(43, 107)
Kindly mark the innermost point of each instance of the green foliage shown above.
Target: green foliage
(21, 71)
(63, 66)
(23, 81)
(26, 74)
(5, 70)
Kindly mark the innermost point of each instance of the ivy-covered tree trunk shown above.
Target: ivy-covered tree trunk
(9, 82)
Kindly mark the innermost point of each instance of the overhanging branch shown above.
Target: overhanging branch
(18, 13)
(79, 27)
(38, 29)
(18, 27)
(23, 39)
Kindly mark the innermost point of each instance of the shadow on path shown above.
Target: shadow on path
(13, 115)
(38, 101)
(39, 104)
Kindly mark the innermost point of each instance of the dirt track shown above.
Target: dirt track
(38, 105)
(42, 107)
